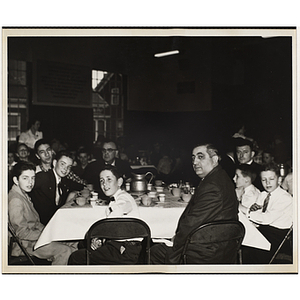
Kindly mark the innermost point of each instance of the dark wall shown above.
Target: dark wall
(69, 125)
(251, 85)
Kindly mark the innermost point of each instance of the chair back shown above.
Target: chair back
(214, 243)
(120, 229)
(14, 238)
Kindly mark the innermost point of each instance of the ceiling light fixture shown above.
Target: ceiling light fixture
(166, 53)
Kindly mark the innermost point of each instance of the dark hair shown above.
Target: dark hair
(247, 171)
(38, 143)
(268, 150)
(62, 153)
(272, 166)
(22, 166)
(32, 121)
(113, 169)
(22, 144)
(210, 148)
(82, 150)
(239, 142)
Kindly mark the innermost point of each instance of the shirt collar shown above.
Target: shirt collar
(57, 178)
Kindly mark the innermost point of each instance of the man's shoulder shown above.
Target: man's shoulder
(120, 162)
(44, 177)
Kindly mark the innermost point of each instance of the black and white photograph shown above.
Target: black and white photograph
(149, 150)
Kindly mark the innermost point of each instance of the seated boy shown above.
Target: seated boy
(25, 219)
(272, 211)
(246, 192)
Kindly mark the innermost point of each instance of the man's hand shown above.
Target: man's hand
(96, 243)
(255, 207)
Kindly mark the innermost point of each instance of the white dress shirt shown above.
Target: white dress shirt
(279, 212)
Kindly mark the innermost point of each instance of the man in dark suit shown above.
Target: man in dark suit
(109, 157)
(214, 200)
(52, 187)
(245, 154)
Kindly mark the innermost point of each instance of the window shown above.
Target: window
(17, 98)
(97, 76)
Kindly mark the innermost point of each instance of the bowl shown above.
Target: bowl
(186, 197)
(80, 201)
(159, 189)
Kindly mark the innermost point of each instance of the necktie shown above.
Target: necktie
(58, 192)
(266, 202)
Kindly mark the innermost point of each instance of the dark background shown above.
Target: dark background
(237, 80)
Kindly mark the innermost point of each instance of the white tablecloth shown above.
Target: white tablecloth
(72, 223)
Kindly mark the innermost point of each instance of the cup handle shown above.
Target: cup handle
(151, 176)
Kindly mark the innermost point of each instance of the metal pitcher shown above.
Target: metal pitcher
(139, 182)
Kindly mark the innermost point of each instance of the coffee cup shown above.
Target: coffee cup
(152, 194)
(159, 189)
(146, 200)
(80, 201)
(176, 192)
(186, 197)
(162, 197)
(149, 186)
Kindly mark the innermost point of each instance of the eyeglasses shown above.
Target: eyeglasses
(109, 150)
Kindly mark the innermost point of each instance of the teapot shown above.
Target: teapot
(139, 182)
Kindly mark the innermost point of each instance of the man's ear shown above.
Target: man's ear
(120, 181)
(252, 154)
(15, 180)
(37, 156)
(215, 159)
(54, 162)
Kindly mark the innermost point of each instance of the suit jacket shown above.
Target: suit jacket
(44, 193)
(214, 200)
(24, 219)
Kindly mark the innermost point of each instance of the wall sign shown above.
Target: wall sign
(61, 84)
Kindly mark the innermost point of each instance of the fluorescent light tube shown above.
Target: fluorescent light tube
(166, 53)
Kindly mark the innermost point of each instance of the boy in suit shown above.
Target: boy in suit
(52, 187)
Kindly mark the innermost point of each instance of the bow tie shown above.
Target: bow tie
(111, 199)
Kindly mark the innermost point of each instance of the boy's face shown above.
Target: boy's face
(267, 158)
(269, 180)
(83, 158)
(45, 153)
(11, 158)
(25, 181)
(63, 166)
(23, 152)
(240, 180)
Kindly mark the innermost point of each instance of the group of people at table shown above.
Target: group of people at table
(38, 191)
